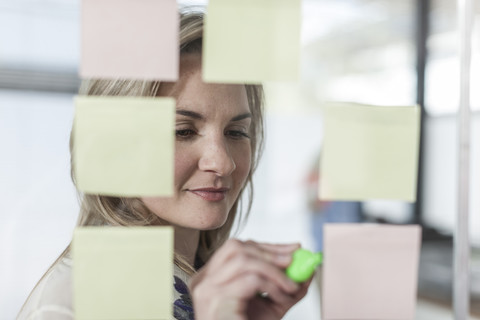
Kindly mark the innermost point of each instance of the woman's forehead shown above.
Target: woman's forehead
(191, 91)
(190, 62)
(229, 100)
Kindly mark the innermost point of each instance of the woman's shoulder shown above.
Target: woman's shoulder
(52, 297)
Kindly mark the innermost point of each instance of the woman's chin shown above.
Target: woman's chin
(210, 224)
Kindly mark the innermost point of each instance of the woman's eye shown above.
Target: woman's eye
(237, 134)
(185, 133)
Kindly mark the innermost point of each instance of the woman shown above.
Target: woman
(218, 137)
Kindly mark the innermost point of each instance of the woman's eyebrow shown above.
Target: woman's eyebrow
(190, 114)
(198, 116)
(242, 116)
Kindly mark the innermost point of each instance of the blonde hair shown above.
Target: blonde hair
(97, 210)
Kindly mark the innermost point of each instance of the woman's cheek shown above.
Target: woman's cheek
(243, 162)
(184, 166)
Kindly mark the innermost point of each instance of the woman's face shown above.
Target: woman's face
(212, 149)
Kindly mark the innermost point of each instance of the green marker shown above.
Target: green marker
(303, 265)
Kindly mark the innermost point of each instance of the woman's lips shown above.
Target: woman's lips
(210, 194)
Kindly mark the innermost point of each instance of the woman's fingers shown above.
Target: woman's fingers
(279, 255)
(236, 274)
(239, 257)
(255, 286)
(244, 263)
(278, 248)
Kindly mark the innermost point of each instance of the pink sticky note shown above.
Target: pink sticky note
(370, 271)
(130, 39)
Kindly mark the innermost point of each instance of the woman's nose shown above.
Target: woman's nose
(216, 157)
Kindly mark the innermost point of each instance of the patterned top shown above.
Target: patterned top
(182, 306)
(52, 299)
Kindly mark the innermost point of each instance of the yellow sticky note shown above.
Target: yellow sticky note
(130, 39)
(251, 41)
(124, 146)
(370, 271)
(369, 152)
(123, 273)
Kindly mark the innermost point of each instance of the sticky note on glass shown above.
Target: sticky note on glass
(251, 41)
(370, 271)
(124, 146)
(129, 39)
(369, 152)
(123, 273)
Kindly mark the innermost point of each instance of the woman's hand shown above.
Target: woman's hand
(232, 283)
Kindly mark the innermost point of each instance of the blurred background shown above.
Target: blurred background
(386, 52)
